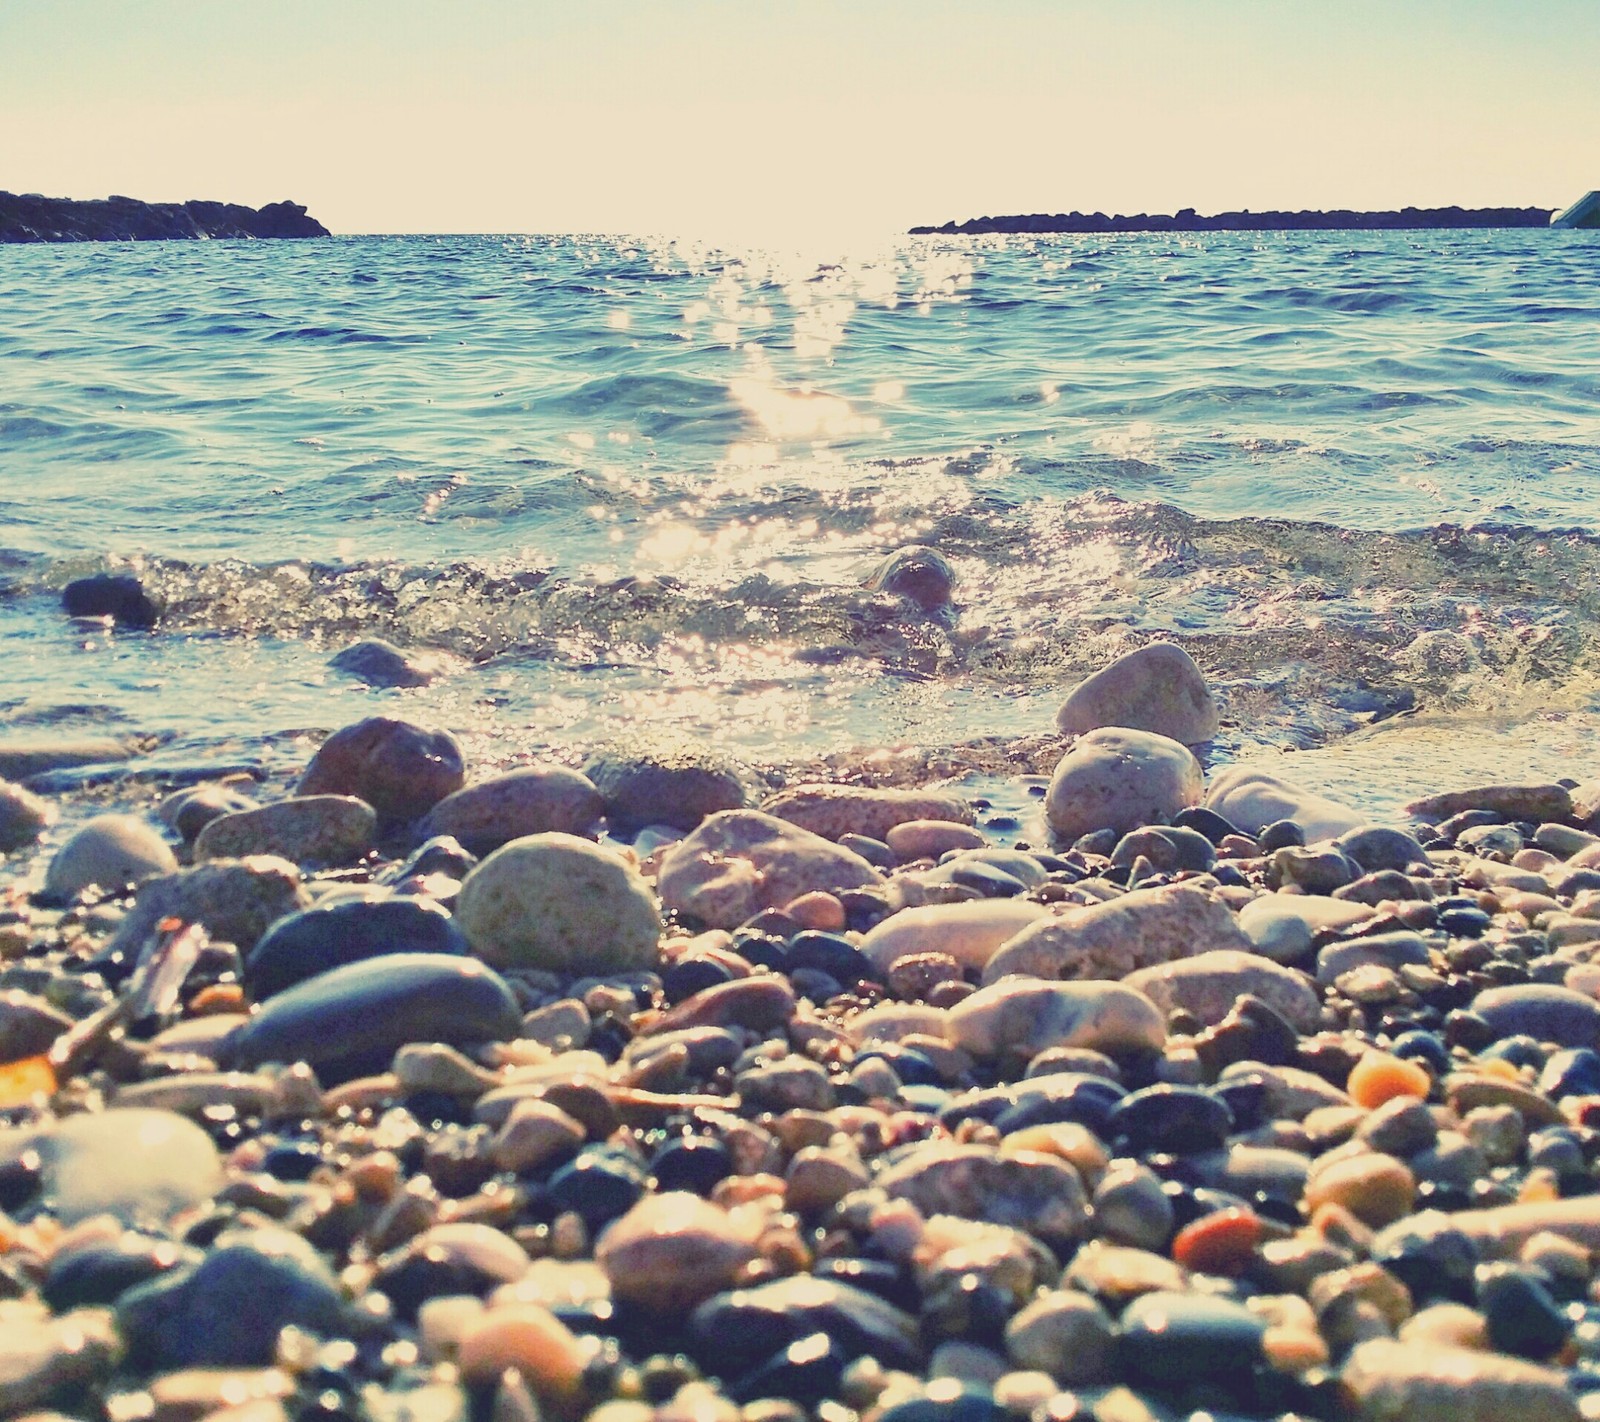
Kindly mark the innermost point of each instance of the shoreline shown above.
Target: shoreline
(1410, 219)
(519, 1114)
(30, 218)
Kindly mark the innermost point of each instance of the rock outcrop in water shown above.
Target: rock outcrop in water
(1188, 220)
(28, 217)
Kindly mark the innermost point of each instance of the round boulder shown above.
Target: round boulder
(1121, 779)
(918, 574)
(558, 902)
(676, 785)
(1156, 688)
(400, 769)
(542, 799)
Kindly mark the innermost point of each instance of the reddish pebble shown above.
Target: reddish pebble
(1220, 1243)
(817, 910)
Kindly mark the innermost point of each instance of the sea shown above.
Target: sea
(630, 490)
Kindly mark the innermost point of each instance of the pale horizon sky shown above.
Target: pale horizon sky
(822, 117)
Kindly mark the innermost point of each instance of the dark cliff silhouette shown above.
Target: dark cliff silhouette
(1188, 220)
(31, 218)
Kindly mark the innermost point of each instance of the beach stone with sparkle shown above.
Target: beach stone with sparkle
(1119, 780)
(1153, 688)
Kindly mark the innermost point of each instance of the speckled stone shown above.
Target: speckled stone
(739, 862)
(1119, 780)
(1152, 688)
(834, 810)
(1208, 984)
(235, 900)
(1387, 1380)
(557, 902)
(541, 799)
(309, 829)
(1024, 1016)
(1115, 938)
(670, 784)
(1034, 1192)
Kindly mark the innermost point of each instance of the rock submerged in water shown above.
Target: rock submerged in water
(381, 663)
(560, 903)
(119, 596)
(918, 574)
(1121, 780)
(1155, 688)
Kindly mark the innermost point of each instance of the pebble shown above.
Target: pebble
(43, 1358)
(1251, 799)
(401, 769)
(23, 817)
(1376, 1188)
(28, 1025)
(1116, 938)
(672, 1251)
(1181, 1338)
(1037, 1193)
(235, 900)
(1379, 1077)
(835, 810)
(1024, 1016)
(739, 862)
(742, 1328)
(1209, 984)
(969, 933)
(1386, 1380)
(1546, 1013)
(109, 852)
(228, 1310)
(559, 903)
(1066, 1334)
(532, 1341)
(351, 1021)
(317, 940)
(928, 839)
(309, 829)
(1155, 688)
(1119, 780)
(1283, 926)
(1180, 1120)
(1130, 1206)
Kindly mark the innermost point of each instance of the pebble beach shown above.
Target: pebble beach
(661, 1085)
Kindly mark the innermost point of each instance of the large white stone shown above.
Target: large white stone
(1026, 1016)
(1250, 799)
(1208, 984)
(969, 932)
(1120, 779)
(1155, 688)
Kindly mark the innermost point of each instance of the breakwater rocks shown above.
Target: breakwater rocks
(1188, 220)
(832, 1104)
(28, 217)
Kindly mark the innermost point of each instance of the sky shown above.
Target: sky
(741, 118)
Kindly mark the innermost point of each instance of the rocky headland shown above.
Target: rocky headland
(28, 217)
(661, 1090)
(1188, 220)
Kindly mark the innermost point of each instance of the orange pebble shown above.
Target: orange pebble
(1219, 1243)
(1379, 1077)
(817, 910)
(219, 997)
(21, 1082)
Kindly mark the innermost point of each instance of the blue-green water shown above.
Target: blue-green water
(634, 484)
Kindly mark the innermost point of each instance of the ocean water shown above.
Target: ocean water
(635, 487)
